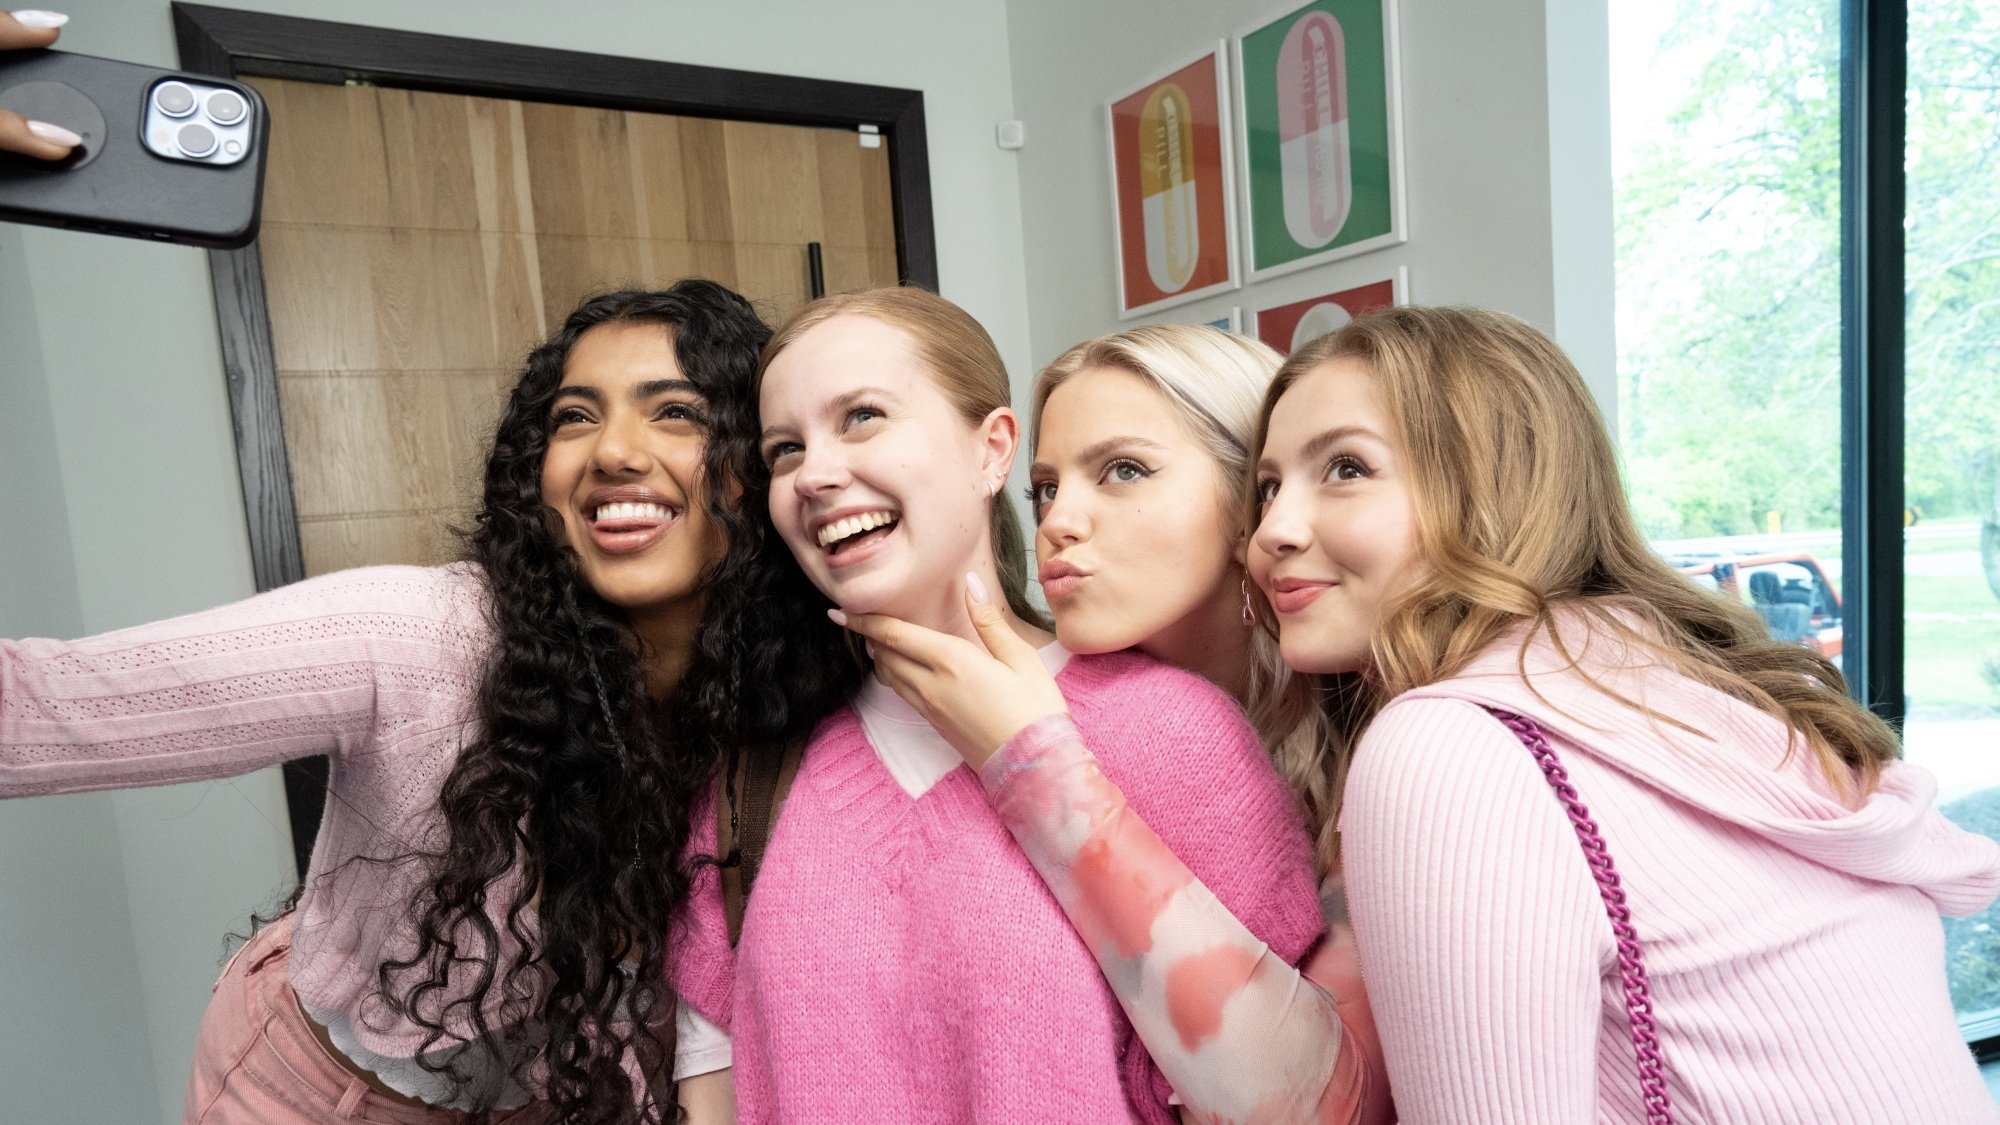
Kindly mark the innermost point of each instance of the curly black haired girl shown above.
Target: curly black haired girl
(518, 742)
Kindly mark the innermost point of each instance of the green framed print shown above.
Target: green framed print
(1322, 135)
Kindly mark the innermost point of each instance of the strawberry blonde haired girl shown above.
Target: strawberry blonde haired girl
(1444, 540)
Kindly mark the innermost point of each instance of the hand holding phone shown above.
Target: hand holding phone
(160, 154)
(40, 140)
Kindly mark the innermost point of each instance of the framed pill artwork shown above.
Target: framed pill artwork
(1288, 327)
(1322, 135)
(1173, 194)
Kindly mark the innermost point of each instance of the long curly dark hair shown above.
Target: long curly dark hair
(578, 778)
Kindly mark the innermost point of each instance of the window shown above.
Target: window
(1727, 142)
(1726, 164)
(1951, 548)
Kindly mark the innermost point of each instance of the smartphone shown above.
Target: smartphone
(165, 155)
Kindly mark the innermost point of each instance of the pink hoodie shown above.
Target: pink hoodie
(1792, 937)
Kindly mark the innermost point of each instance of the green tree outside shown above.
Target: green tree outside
(1729, 274)
(1728, 229)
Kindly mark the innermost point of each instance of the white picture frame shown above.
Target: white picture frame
(1248, 175)
(1225, 129)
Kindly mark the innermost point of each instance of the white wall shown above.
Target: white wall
(122, 502)
(1476, 87)
(68, 971)
(148, 480)
(1579, 65)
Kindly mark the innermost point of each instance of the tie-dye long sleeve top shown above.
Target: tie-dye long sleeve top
(1242, 1035)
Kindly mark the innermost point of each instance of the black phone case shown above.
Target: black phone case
(115, 185)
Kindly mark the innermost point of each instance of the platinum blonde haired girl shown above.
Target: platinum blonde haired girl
(1216, 381)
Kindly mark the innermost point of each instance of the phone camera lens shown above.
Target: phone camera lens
(225, 108)
(196, 140)
(174, 99)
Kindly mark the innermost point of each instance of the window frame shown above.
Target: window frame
(1874, 79)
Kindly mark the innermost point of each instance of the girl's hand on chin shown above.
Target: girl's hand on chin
(979, 696)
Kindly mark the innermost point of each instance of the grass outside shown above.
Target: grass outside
(1951, 630)
(1968, 542)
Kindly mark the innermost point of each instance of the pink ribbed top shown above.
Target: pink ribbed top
(1792, 937)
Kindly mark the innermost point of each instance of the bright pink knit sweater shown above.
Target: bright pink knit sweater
(1792, 937)
(902, 961)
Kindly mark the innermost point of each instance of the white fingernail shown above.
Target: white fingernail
(54, 134)
(37, 18)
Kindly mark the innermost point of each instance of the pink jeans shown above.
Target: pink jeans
(257, 1062)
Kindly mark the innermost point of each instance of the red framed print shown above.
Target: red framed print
(1288, 327)
(1173, 195)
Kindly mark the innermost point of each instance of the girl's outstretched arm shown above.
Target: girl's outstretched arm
(312, 668)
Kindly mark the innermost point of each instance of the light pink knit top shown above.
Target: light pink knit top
(1792, 937)
(902, 961)
(377, 667)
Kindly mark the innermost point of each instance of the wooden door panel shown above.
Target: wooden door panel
(773, 176)
(705, 180)
(425, 433)
(416, 244)
(774, 276)
(502, 189)
(659, 171)
(855, 196)
(425, 539)
(575, 267)
(372, 298)
(848, 268)
(325, 161)
(581, 171)
(431, 151)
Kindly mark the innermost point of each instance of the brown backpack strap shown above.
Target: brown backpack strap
(762, 780)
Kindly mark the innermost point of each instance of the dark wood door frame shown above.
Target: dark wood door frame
(231, 43)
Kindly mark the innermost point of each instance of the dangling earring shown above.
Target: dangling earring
(1249, 607)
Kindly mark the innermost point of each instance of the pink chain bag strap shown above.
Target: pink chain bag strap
(1631, 967)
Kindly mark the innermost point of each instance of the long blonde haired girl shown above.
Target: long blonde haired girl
(1214, 382)
(1521, 511)
(1444, 538)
